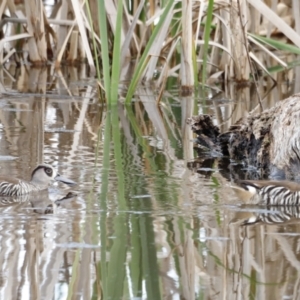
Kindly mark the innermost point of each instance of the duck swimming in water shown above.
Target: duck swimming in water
(264, 192)
(42, 176)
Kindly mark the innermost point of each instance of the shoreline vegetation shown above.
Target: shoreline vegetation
(200, 42)
(266, 142)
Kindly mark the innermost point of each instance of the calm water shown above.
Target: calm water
(143, 225)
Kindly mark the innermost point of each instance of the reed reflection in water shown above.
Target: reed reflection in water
(143, 225)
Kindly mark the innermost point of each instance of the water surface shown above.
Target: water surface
(146, 223)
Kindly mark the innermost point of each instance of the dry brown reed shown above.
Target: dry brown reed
(64, 34)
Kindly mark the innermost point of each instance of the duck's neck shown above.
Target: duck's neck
(38, 184)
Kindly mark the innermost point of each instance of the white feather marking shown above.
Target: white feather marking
(252, 189)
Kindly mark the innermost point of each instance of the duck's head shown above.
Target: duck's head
(44, 174)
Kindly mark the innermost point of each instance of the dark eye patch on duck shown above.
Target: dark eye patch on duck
(36, 169)
(48, 171)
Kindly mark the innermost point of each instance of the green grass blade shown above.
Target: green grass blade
(143, 60)
(104, 47)
(195, 66)
(94, 40)
(206, 38)
(279, 68)
(276, 44)
(116, 66)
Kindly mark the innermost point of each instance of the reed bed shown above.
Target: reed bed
(150, 42)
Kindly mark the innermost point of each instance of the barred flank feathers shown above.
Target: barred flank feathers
(272, 193)
(275, 216)
(278, 195)
(16, 189)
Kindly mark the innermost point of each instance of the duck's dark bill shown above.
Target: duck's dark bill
(65, 180)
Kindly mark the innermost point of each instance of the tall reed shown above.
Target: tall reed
(143, 42)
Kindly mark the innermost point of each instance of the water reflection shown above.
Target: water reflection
(142, 224)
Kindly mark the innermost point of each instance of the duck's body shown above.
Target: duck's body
(271, 192)
(16, 187)
(41, 178)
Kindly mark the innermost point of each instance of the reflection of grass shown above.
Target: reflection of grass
(252, 290)
(119, 163)
(215, 187)
(117, 261)
(251, 278)
(133, 242)
(75, 276)
(140, 139)
(103, 202)
(114, 271)
(143, 265)
(136, 254)
(105, 162)
(149, 258)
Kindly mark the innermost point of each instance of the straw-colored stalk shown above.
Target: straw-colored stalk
(239, 67)
(187, 72)
(36, 28)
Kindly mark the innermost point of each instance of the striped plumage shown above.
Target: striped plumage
(272, 192)
(17, 189)
(275, 215)
(41, 178)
